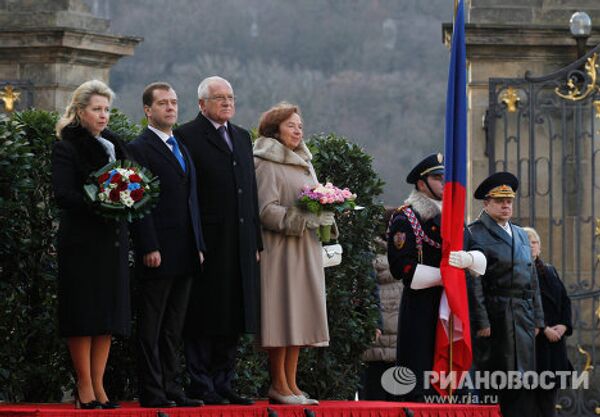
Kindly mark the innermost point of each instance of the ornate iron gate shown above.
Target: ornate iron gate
(546, 130)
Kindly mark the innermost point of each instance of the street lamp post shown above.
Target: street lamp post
(580, 25)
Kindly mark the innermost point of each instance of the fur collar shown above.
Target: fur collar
(74, 132)
(427, 207)
(91, 154)
(273, 150)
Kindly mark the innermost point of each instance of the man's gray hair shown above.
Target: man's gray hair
(204, 87)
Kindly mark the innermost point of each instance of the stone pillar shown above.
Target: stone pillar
(506, 39)
(54, 46)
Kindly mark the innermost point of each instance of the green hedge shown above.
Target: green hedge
(351, 305)
(34, 363)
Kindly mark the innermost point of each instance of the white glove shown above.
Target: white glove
(326, 218)
(315, 220)
(474, 260)
(426, 277)
(312, 220)
(460, 259)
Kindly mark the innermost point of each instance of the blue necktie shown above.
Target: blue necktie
(223, 132)
(171, 141)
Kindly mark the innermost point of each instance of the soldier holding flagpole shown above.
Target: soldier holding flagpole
(415, 254)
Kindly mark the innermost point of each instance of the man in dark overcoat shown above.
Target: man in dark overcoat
(226, 298)
(414, 255)
(169, 246)
(507, 312)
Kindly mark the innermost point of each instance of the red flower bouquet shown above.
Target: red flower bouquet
(122, 190)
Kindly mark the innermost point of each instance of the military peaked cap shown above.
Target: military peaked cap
(498, 185)
(431, 165)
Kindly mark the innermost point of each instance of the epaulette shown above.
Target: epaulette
(399, 211)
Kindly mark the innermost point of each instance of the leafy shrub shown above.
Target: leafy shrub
(123, 127)
(351, 304)
(33, 360)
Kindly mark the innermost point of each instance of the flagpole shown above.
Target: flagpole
(450, 349)
(451, 317)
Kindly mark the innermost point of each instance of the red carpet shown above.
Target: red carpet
(326, 409)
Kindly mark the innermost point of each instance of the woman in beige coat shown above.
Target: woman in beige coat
(293, 311)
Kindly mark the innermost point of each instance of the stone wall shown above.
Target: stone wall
(56, 45)
(49, 13)
(505, 40)
(526, 12)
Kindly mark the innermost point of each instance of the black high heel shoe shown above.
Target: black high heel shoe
(110, 405)
(92, 405)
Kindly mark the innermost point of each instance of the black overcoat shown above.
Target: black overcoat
(173, 227)
(93, 271)
(419, 309)
(552, 356)
(506, 298)
(226, 300)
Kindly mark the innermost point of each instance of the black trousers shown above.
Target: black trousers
(370, 382)
(546, 402)
(517, 402)
(162, 308)
(210, 363)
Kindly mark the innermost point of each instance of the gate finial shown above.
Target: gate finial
(510, 97)
(9, 96)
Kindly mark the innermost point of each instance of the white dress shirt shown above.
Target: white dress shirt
(163, 136)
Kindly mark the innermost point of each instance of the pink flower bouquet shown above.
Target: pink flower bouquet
(326, 197)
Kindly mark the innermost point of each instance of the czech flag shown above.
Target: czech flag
(454, 300)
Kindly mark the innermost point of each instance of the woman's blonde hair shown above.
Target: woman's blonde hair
(531, 232)
(80, 99)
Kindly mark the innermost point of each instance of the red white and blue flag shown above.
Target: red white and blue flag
(454, 299)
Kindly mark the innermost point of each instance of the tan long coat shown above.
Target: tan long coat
(293, 310)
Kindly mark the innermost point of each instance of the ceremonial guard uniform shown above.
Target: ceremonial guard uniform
(418, 307)
(414, 255)
(507, 296)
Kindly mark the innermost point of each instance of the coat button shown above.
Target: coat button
(241, 220)
(117, 244)
(234, 163)
(239, 190)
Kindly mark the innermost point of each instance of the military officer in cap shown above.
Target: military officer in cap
(507, 313)
(414, 255)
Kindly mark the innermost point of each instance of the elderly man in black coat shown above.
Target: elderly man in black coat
(507, 309)
(226, 298)
(169, 246)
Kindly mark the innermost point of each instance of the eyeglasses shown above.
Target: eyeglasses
(222, 99)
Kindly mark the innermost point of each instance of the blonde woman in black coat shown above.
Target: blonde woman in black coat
(550, 345)
(93, 281)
